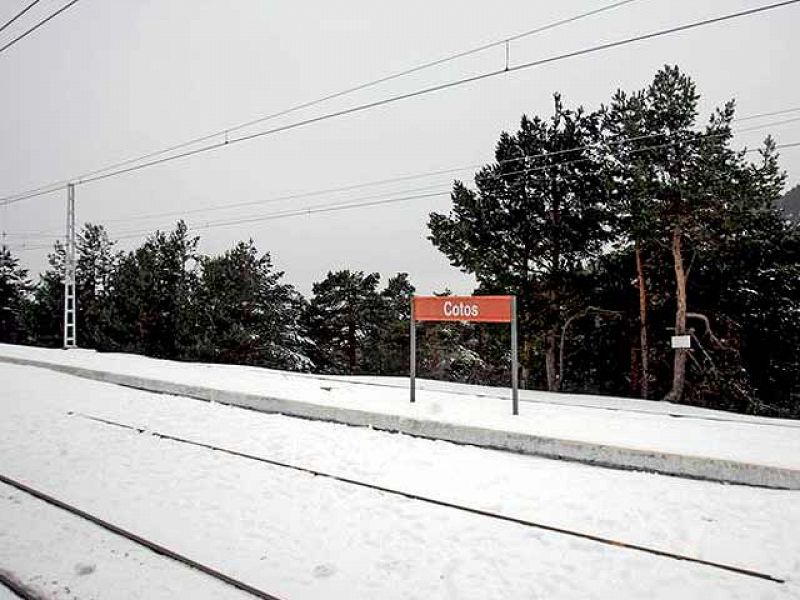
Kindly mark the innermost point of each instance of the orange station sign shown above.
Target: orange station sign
(477, 309)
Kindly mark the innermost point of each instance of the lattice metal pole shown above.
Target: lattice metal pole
(70, 300)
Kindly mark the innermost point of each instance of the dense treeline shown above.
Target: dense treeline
(166, 300)
(621, 227)
(615, 228)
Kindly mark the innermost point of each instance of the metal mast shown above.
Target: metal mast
(70, 301)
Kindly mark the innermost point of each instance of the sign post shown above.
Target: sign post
(514, 367)
(413, 354)
(473, 309)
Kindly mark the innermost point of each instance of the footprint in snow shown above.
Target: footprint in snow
(324, 570)
(84, 569)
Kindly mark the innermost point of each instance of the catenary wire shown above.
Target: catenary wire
(420, 92)
(349, 205)
(225, 132)
(447, 85)
(29, 31)
(432, 173)
(597, 145)
(18, 15)
(449, 170)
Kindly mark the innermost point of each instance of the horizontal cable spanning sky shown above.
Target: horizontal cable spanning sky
(165, 77)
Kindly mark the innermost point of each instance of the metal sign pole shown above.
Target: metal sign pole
(514, 358)
(413, 353)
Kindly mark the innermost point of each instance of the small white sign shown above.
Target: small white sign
(681, 341)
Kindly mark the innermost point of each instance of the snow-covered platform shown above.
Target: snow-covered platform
(614, 432)
(214, 499)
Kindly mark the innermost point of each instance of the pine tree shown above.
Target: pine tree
(14, 288)
(151, 303)
(696, 180)
(746, 280)
(344, 319)
(681, 188)
(533, 224)
(390, 352)
(624, 126)
(96, 263)
(248, 315)
(46, 313)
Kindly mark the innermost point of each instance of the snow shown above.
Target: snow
(298, 536)
(620, 422)
(68, 558)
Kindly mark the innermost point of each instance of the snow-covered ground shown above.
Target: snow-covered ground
(619, 422)
(63, 556)
(299, 536)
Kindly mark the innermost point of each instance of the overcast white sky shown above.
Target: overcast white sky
(111, 79)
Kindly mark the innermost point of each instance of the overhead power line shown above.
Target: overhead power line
(336, 206)
(19, 14)
(602, 145)
(353, 204)
(345, 92)
(424, 91)
(37, 26)
(773, 113)
(423, 175)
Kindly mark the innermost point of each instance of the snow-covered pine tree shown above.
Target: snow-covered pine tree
(151, 303)
(46, 315)
(344, 319)
(248, 315)
(96, 263)
(538, 215)
(14, 289)
(390, 352)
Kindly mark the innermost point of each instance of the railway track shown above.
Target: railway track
(27, 594)
(16, 587)
(442, 503)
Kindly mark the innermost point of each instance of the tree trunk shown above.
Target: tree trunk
(679, 368)
(550, 361)
(351, 347)
(525, 360)
(645, 349)
(636, 373)
(551, 339)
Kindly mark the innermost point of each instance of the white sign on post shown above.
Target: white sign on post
(681, 341)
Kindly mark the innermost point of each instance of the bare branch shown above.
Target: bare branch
(709, 331)
(689, 268)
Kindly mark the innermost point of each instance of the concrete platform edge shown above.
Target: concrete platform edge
(694, 467)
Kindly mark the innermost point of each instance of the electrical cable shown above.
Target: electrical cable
(420, 92)
(225, 132)
(274, 199)
(19, 14)
(52, 235)
(37, 26)
(349, 205)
